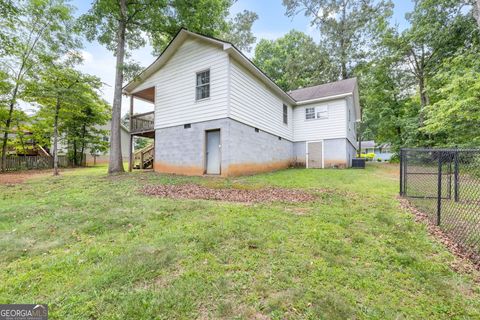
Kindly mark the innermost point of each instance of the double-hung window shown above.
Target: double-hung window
(285, 114)
(202, 90)
(310, 113)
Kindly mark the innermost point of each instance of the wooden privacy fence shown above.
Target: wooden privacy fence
(16, 163)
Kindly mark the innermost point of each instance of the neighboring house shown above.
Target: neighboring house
(381, 151)
(104, 157)
(98, 158)
(25, 144)
(215, 112)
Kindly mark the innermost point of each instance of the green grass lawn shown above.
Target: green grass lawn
(94, 247)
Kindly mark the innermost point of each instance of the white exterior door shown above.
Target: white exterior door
(315, 155)
(213, 152)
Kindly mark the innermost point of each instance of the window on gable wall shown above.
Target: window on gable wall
(316, 113)
(285, 114)
(203, 85)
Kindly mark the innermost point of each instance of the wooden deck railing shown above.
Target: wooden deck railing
(142, 122)
(143, 158)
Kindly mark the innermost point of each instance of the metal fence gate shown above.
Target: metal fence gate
(445, 184)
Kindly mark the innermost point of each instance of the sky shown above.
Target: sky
(271, 24)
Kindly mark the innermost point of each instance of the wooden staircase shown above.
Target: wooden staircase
(143, 158)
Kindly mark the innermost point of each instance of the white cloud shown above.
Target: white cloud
(86, 56)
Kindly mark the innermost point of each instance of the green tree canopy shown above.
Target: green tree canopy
(294, 61)
(68, 101)
(239, 30)
(454, 117)
(348, 28)
(40, 31)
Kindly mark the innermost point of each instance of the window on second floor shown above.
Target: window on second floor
(202, 89)
(309, 113)
(316, 113)
(285, 114)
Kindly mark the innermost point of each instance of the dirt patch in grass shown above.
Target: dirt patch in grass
(193, 191)
(21, 176)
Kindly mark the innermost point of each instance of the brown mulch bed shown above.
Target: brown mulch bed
(193, 191)
(465, 260)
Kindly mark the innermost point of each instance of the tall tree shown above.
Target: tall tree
(476, 11)
(438, 28)
(8, 13)
(239, 30)
(83, 127)
(121, 25)
(347, 27)
(412, 88)
(294, 61)
(454, 116)
(42, 30)
(62, 92)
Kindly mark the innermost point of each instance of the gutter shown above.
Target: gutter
(338, 96)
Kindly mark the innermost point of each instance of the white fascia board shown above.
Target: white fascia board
(338, 96)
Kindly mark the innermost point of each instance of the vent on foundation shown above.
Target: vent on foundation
(187, 126)
(257, 130)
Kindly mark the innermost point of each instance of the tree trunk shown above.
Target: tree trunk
(116, 162)
(20, 136)
(55, 139)
(343, 52)
(344, 70)
(75, 162)
(477, 13)
(7, 128)
(84, 132)
(424, 100)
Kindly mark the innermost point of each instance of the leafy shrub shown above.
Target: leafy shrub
(368, 156)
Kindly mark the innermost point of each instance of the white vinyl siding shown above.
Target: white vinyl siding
(350, 123)
(175, 84)
(253, 103)
(331, 127)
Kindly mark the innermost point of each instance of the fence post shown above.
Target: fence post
(439, 188)
(455, 175)
(401, 172)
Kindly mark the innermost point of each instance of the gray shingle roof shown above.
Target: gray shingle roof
(324, 90)
(368, 144)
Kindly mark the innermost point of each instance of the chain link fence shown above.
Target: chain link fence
(445, 185)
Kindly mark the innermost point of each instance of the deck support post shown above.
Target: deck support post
(130, 146)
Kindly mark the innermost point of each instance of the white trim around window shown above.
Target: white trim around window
(316, 113)
(202, 85)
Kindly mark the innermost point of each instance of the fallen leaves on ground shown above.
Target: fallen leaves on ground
(466, 260)
(193, 191)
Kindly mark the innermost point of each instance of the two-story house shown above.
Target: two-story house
(215, 112)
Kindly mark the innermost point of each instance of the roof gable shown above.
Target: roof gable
(179, 39)
(325, 90)
(328, 91)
